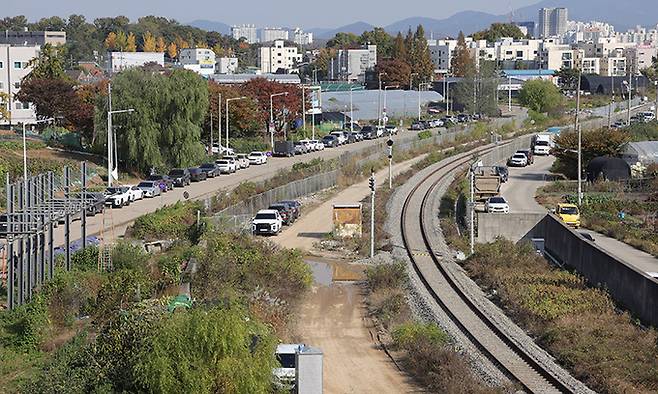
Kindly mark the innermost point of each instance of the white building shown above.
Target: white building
(591, 65)
(227, 65)
(552, 22)
(278, 57)
(301, 38)
(26, 37)
(270, 34)
(351, 64)
(441, 52)
(248, 32)
(199, 60)
(14, 65)
(640, 57)
(119, 61)
(555, 57)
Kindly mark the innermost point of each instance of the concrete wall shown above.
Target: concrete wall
(634, 289)
(513, 226)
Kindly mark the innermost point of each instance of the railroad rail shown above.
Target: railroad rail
(485, 334)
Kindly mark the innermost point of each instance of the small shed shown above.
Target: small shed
(608, 168)
(645, 152)
(347, 220)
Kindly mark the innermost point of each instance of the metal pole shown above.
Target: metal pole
(83, 213)
(372, 215)
(109, 135)
(272, 121)
(211, 141)
(227, 127)
(472, 229)
(509, 94)
(580, 153)
(219, 120)
(21, 246)
(419, 86)
(67, 216)
(379, 102)
(303, 109)
(42, 245)
(656, 105)
(51, 227)
(630, 93)
(28, 238)
(10, 243)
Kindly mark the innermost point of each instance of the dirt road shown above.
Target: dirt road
(333, 317)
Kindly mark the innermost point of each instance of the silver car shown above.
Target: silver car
(150, 188)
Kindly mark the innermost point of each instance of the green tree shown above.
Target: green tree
(409, 45)
(476, 92)
(343, 40)
(651, 72)
(13, 23)
(49, 64)
(462, 62)
(540, 95)
(595, 143)
(568, 78)
(378, 36)
(421, 60)
(499, 30)
(399, 50)
(5, 114)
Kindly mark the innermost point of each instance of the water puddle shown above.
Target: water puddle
(326, 272)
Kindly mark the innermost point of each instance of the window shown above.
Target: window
(19, 105)
(17, 85)
(18, 65)
(1, 65)
(519, 53)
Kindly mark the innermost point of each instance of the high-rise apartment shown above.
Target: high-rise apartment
(552, 22)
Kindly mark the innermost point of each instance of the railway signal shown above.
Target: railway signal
(390, 162)
(371, 181)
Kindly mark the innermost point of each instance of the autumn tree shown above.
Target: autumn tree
(261, 89)
(5, 114)
(595, 143)
(245, 116)
(397, 72)
(131, 43)
(421, 60)
(160, 45)
(462, 62)
(51, 97)
(409, 45)
(399, 51)
(111, 41)
(121, 41)
(172, 50)
(150, 44)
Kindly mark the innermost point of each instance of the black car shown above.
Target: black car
(95, 203)
(351, 137)
(197, 174)
(296, 206)
(180, 177)
(502, 172)
(163, 180)
(210, 169)
(330, 141)
(369, 132)
(286, 212)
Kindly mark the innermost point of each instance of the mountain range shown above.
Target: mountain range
(623, 15)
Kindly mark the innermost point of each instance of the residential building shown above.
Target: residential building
(39, 38)
(14, 66)
(119, 61)
(278, 58)
(591, 65)
(556, 57)
(270, 34)
(302, 38)
(199, 60)
(227, 65)
(552, 22)
(351, 64)
(640, 57)
(242, 78)
(509, 50)
(248, 32)
(527, 27)
(613, 66)
(441, 52)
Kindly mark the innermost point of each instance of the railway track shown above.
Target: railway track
(482, 331)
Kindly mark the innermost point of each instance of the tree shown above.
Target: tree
(568, 78)
(399, 51)
(261, 89)
(421, 60)
(651, 72)
(121, 41)
(111, 41)
(160, 45)
(49, 64)
(540, 95)
(462, 62)
(595, 143)
(172, 50)
(52, 97)
(322, 60)
(397, 72)
(476, 92)
(245, 115)
(378, 36)
(13, 23)
(343, 40)
(5, 114)
(499, 30)
(150, 44)
(409, 45)
(131, 43)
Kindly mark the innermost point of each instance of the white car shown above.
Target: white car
(380, 131)
(234, 159)
(496, 205)
(318, 144)
(310, 147)
(117, 197)
(150, 188)
(135, 193)
(518, 160)
(340, 136)
(221, 150)
(257, 158)
(267, 221)
(226, 166)
(243, 159)
(392, 129)
(542, 148)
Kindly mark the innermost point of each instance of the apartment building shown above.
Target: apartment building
(351, 64)
(555, 57)
(39, 38)
(270, 34)
(227, 65)
(199, 60)
(119, 61)
(552, 22)
(14, 65)
(248, 32)
(278, 58)
(302, 38)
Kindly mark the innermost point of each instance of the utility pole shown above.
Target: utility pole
(509, 94)
(371, 181)
(630, 93)
(390, 162)
(472, 204)
(656, 104)
(580, 141)
(379, 103)
(210, 148)
(219, 121)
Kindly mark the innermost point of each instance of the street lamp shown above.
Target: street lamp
(420, 85)
(353, 88)
(580, 138)
(272, 115)
(379, 104)
(112, 169)
(227, 117)
(385, 90)
(319, 89)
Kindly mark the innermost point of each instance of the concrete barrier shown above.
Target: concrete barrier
(630, 287)
(513, 226)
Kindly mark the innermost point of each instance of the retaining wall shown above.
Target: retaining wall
(513, 226)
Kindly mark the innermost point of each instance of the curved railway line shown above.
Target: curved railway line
(482, 331)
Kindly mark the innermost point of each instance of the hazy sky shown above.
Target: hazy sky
(304, 13)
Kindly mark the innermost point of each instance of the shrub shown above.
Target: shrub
(170, 222)
(27, 325)
(405, 335)
(424, 134)
(386, 276)
(85, 259)
(128, 256)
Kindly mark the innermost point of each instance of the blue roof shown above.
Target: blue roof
(519, 73)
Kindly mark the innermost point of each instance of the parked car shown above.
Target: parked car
(180, 177)
(197, 174)
(503, 173)
(95, 203)
(518, 160)
(225, 166)
(135, 193)
(300, 148)
(462, 118)
(117, 197)
(221, 150)
(284, 148)
(417, 126)
(368, 132)
(318, 145)
(351, 137)
(150, 188)
(569, 214)
(330, 141)
(309, 146)
(286, 212)
(340, 135)
(257, 158)
(234, 160)
(267, 221)
(391, 129)
(353, 126)
(528, 154)
(296, 205)
(210, 169)
(496, 204)
(379, 131)
(542, 148)
(243, 159)
(163, 180)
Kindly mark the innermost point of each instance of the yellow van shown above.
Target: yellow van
(569, 214)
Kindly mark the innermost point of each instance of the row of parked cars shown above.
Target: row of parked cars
(446, 121)
(157, 184)
(270, 221)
